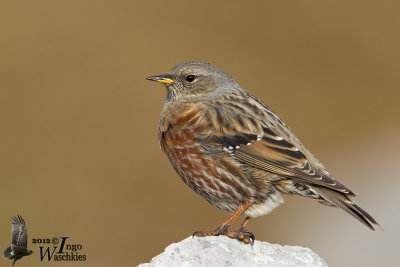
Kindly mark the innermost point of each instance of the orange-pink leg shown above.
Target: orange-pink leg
(241, 234)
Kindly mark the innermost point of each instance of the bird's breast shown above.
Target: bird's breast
(214, 175)
(179, 131)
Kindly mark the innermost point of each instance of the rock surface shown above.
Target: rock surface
(223, 251)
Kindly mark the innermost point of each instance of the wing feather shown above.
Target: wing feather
(19, 234)
(268, 145)
(285, 161)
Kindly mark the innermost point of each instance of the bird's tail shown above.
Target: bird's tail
(7, 253)
(343, 201)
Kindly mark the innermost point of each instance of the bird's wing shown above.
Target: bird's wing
(256, 144)
(19, 234)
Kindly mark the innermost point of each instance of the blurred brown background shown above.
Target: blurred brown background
(79, 154)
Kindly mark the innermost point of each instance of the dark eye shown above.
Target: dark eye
(190, 78)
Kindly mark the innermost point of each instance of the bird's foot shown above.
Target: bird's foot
(241, 235)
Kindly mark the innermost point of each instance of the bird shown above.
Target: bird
(19, 238)
(234, 151)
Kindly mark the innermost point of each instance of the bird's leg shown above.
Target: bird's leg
(241, 235)
(244, 223)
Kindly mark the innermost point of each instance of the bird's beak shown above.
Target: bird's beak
(164, 78)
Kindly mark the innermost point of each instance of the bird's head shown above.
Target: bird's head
(194, 80)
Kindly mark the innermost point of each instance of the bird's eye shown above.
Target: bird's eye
(190, 78)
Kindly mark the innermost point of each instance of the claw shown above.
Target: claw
(197, 233)
(250, 239)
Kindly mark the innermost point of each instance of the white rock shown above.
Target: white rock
(223, 251)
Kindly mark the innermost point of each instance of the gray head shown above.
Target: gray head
(194, 79)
